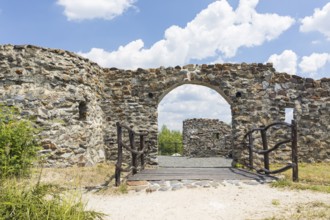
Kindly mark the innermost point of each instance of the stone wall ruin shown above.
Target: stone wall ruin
(206, 138)
(77, 103)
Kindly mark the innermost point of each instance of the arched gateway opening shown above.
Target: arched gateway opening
(194, 121)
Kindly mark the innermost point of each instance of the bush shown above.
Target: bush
(170, 142)
(20, 201)
(18, 145)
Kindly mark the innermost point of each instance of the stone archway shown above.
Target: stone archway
(201, 115)
(190, 82)
(235, 82)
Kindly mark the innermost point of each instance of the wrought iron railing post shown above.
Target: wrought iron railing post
(294, 151)
(250, 150)
(120, 154)
(265, 147)
(141, 148)
(134, 156)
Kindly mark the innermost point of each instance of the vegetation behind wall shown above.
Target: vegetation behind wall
(169, 141)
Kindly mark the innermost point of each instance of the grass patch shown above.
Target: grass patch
(121, 189)
(307, 211)
(314, 177)
(77, 176)
(82, 177)
(54, 193)
(21, 201)
(275, 202)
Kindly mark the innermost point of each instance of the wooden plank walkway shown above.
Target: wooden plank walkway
(226, 173)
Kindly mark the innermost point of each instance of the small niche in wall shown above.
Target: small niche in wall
(216, 136)
(289, 115)
(238, 94)
(82, 110)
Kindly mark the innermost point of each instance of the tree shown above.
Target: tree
(169, 141)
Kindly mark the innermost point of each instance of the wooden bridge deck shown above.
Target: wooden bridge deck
(223, 173)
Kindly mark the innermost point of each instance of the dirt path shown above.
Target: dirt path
(224, 202)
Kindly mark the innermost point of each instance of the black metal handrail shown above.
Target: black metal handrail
(265, 152)
(135, 153)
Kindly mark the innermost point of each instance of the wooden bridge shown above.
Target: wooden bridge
(184, 168)
(217, 174)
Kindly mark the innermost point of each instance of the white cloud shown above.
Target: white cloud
(191, 101)
(319, 21)
(284, 62)
(216, 31)
(87, 9)
(311, 64)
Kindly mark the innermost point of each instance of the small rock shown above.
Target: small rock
(176, 187)
(66, 155)
(151, 189)
(164, 188)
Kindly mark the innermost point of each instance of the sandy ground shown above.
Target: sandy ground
(225, 202)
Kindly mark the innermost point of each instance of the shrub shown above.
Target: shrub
(20, 201)
(18, 145)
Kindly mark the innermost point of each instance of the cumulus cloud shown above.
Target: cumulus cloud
(319, 21)
(217, 31)
(192, 101)
(86, 9)
(284, 62)
(311, 64)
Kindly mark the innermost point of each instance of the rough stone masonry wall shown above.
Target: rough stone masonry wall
(206, 138)
(62, 93)
(77, 103)
(310, 100)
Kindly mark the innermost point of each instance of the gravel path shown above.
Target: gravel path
(170, 161)
(201, 200)
(225, 201)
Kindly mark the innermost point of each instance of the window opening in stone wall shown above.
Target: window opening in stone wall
(289, 115)
(82, 111)
(195, 105)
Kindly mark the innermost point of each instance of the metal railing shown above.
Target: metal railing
(265, 152)
(136, 154)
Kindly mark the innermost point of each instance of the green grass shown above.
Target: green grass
(307, 211)
(275, 202)
(21, 201)
(314, 177)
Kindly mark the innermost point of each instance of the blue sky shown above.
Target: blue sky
(294, 35)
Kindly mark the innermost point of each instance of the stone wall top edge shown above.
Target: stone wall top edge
(279, 74)
(60, 52)
(115, 70)
(194, 66)
(202, 119)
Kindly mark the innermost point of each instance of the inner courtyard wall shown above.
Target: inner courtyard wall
(206, 138)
